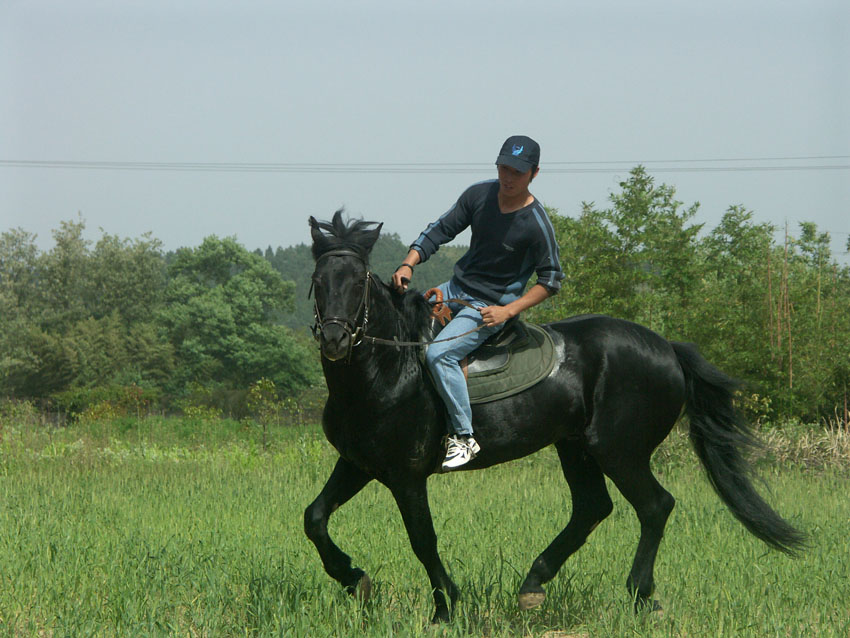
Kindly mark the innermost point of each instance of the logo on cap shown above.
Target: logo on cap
(517, 150)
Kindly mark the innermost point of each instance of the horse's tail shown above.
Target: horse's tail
(720, 436)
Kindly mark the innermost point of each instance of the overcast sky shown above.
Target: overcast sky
(391, 108)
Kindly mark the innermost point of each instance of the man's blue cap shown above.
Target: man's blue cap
(519, 152)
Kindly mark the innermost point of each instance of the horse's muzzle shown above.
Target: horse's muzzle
(335, 342)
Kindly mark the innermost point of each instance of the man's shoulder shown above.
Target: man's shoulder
(539, 211)
(538, 219)
(477, 196)
(481, 189)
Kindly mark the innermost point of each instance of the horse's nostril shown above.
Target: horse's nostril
(335, 343)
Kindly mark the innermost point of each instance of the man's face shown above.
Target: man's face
(512, 181)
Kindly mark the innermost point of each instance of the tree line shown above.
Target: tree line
(122, 320)
(83, 323)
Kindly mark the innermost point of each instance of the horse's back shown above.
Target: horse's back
(604, 341)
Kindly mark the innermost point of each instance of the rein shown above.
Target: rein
(357, 334)
(388, 342)
(438, 312)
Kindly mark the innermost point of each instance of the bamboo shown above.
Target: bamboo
(787, 310)
(771, 334)
(818, 305)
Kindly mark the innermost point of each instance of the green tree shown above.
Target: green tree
(812, 349)
(125, 276)
(733, 323)
(592, 268)
(18, 271)
(19, 276)
(636, 260)
(63, 278)
(77, 317)
(658, 249)
(220, 299)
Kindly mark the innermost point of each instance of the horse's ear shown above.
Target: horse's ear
(315, 230)
(370, 237)
(337, 223)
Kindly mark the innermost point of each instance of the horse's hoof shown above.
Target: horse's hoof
(363, 589)
(648, 606)
(531, 599)
(441, 617)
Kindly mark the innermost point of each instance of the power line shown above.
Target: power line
(575, 167)
(795, 158)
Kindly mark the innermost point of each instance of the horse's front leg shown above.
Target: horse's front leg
(345, 481)
(412, 500)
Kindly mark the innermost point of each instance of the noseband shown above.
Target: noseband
(355, 333)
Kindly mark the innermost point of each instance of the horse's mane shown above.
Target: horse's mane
(356, 234)
(415, 313)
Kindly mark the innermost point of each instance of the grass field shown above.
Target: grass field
(156, 527)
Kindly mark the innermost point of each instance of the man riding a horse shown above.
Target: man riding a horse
(512, 238)
(613, 394)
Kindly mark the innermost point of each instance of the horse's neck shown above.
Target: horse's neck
(376, 371)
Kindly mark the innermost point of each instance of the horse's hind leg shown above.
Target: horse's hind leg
(345, 481)
(590, 505)
(653, 505)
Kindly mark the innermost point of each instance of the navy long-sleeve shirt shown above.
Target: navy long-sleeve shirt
(506, 248)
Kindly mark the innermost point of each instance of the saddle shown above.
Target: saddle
(517, 357)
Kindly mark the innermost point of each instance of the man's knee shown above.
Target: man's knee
(436, 357)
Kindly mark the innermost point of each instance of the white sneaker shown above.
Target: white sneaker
(461, 450)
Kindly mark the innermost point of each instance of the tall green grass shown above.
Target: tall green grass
(158, 527)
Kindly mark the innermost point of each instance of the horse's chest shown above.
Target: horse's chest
(379, 444)
(356, 438)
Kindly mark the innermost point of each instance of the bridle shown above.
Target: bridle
(357, 334)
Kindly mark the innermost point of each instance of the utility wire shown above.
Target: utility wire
(740, 165)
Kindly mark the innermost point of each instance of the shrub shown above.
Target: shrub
(305, 407)
(18, 412)
(102, 411)
(205, 413)
(263, 402)
(124, 399)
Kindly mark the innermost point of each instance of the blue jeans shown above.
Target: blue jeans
(444, 358)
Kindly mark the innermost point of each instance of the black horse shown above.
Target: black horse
(614, 395)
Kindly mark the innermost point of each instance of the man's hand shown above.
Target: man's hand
(404, 273)
(401, 277)
(495, 315)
